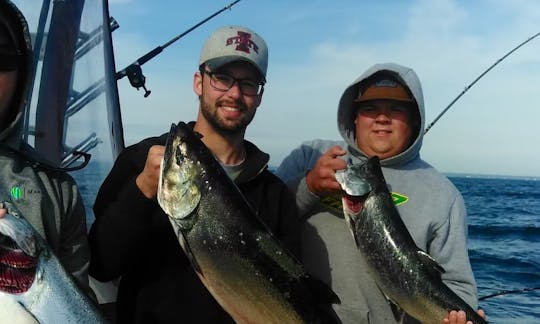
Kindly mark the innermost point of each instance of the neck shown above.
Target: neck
(228, 149)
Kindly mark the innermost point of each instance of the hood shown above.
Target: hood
(346, 115)
(14, 21)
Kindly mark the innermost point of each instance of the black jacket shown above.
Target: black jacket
(133, 239)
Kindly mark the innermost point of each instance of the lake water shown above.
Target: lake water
(504, 239)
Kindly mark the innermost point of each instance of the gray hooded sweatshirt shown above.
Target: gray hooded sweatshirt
(431, 207)
(47, 198)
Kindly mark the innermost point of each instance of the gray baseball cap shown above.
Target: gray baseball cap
(235, 43)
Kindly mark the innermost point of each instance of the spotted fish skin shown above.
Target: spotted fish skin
(34, 286)
(246, 269)
(408, 276)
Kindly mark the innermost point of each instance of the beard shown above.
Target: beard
(223, 125)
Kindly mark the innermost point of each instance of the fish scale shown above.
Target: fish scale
(52, 296)
(408, 276)
(245, 268)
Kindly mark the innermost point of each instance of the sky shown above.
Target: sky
(317, 48)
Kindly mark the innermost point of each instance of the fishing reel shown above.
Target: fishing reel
(134, 71)
(136, 78)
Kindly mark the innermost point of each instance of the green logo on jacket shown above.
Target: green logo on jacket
(399, 199)
(16, 193)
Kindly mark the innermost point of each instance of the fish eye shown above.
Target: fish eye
(181, 150)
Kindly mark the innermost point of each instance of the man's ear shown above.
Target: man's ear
(197, 83)
(259, 98)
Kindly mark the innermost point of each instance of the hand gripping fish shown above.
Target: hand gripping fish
(251, 275)
(34, 287)
(408, 276)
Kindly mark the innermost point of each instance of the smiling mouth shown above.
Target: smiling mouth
(229, 105)
(17, 269)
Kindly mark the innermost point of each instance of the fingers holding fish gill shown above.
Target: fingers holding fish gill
(3, 210)
(147, 180)
(321, 180)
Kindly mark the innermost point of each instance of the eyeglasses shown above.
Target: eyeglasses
(224, 82)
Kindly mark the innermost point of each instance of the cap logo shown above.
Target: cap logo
(386, 83)
(243, 42)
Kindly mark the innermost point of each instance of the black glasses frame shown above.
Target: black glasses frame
(223, 87)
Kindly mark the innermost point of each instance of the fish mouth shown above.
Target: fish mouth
(17, 269)
(354, 204)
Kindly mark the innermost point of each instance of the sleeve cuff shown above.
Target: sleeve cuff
(305, 199)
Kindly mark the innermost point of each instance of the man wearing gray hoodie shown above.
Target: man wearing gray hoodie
(47, 197)
(381, 113)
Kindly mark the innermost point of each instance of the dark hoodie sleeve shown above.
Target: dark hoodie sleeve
(289, 229)
(122, 214)
(74, 252)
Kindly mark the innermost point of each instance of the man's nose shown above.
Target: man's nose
(383, 115)
(235, 91)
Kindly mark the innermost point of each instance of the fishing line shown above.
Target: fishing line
(476, 80)
(134, 71)
(502, 292)
(506, 292)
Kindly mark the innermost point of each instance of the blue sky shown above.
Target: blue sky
(317, 48)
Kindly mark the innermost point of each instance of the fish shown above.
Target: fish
(34, 286)
(247, 270)
(406, 274)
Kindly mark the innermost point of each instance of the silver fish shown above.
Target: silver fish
(408, 276)
(34, 287)
(250, 274)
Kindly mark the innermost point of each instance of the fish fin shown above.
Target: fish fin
(187, 250)
(323, 292)
(432, 266)
(352, 226)
(399, 314)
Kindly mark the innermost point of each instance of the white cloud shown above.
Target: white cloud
(316, 51)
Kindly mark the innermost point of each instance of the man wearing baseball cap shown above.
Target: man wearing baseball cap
(380, 114)
(132, 238)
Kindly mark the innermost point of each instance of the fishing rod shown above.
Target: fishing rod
(134, 71)
(503, 292)
(506, 292)
(476, 80)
